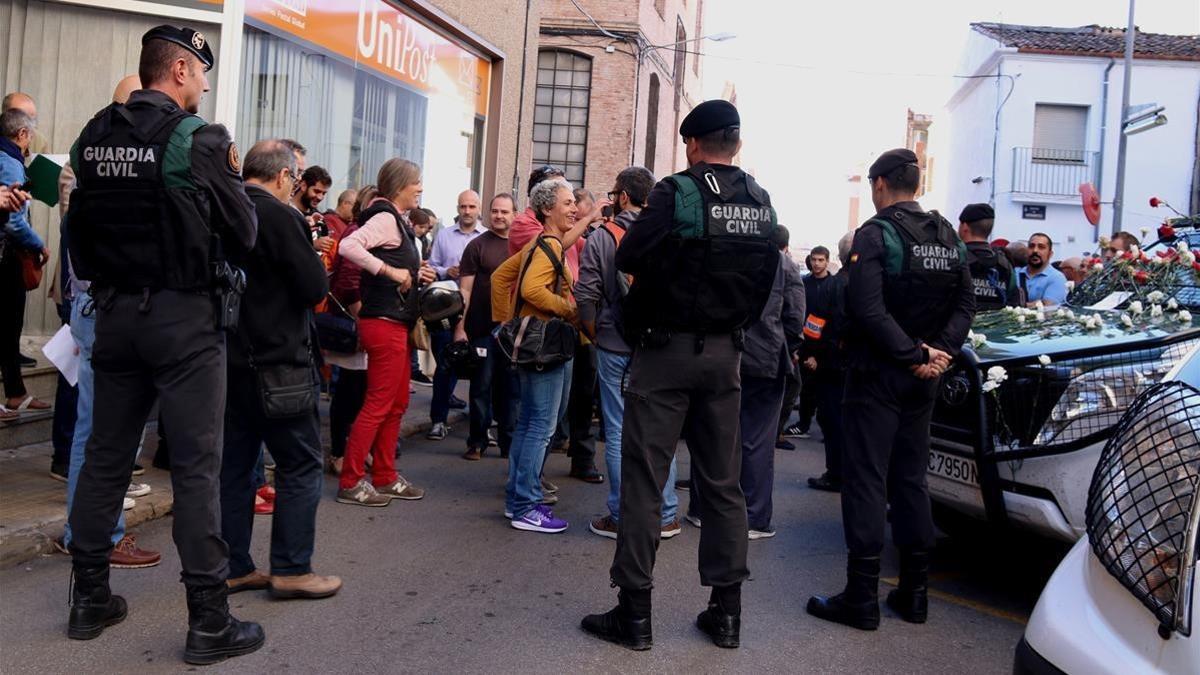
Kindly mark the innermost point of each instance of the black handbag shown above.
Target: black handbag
(337, 332)
(533, 343)
(285, 390)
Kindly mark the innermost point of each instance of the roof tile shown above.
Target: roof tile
(1091, 41)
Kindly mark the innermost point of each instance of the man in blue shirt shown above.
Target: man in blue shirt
(1042, 283)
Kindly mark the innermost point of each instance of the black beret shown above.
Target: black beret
(708, 117)
(890, 161)
(191, 40)
(974, 212)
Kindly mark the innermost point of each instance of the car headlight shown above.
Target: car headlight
(1101, 391)
(1142, 510)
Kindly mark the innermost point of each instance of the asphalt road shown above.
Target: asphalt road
(445, 585)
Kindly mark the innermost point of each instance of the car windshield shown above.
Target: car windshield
(1166, 269)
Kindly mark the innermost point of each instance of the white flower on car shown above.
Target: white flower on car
(1187, 257)
(997, 374)
(1040, 316)
(1172, 304)
(1098, 266)
(1020, 318)
(1135, 308)
(1070, 286)
(977, 340)
(1184, 316)
(1155, 311)
(1093, 322)
(1127, 320)
(1070, 315)
(1044, 360)
(1039, 306)
(1158, 261)
(989, 386)
(1156, 297)
(1182, 245)
(1135, 250)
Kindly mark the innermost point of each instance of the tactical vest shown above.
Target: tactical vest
(990, 279)
(717, 264)
(138, 219)
(381, 297)
(923, 270)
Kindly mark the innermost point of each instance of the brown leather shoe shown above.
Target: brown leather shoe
(304, 586)
(255, 581)
(127, 555)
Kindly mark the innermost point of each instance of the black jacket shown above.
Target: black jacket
(874, 336)
(826, 299)
(284, 279)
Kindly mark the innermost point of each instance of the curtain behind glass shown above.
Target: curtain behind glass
(287, 92)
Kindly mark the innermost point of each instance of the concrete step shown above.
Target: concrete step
(41, 381)
(28, 429)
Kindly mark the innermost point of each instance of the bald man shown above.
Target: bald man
(18, 100)
(447, 253)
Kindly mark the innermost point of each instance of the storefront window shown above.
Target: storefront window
(360, 83)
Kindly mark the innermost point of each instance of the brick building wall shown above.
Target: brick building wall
(619, 115)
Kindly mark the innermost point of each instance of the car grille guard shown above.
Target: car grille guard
(1041, 409)
(1143, 510)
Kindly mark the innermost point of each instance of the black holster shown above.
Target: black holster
(229, 284)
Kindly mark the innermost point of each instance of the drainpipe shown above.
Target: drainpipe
(1103, 134)
(996, 132)
(516, 189)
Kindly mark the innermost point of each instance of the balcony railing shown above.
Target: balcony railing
(1051, 172)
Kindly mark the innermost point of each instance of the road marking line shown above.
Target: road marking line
(980, 607)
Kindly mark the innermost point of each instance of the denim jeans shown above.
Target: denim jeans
(83, 329)
(542, 394)
(612, 369)
(493, 397)
(443, 378)
(295, 445)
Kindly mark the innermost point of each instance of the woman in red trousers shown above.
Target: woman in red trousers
(383, 246)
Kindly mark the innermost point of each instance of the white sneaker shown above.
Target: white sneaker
(137, 490)
(694, 520)
(128, 504)
(438, 432)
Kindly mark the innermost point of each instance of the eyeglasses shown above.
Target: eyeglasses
(612, 196)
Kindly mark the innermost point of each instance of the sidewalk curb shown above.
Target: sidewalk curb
(23, 545)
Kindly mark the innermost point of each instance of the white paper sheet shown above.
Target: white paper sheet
(1112, 300)
(62, 351)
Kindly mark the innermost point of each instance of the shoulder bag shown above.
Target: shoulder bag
(533, 343)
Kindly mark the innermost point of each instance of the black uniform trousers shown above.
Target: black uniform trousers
(886, 418)
(162, 347)
(667, 386)
(295, 445)
(830, 384)
(808, 400)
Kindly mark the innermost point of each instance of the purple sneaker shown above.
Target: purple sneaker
(539, 519)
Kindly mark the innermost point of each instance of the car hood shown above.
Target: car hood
(1008, 339)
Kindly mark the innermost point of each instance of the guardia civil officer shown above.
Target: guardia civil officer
(703, 266)
(909, 305)
(992, 276)
(159, 199)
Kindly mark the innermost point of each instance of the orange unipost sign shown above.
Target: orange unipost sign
(384, 38)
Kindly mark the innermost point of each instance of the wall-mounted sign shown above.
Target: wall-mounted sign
(382, 37)
(1033, 211)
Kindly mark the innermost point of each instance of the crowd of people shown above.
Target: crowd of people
(628, 308)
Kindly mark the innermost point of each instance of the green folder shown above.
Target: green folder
(43, 173)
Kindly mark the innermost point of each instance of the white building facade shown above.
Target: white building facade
(1041, 114)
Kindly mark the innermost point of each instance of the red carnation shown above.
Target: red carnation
(1154, 202)
(1166, 232)
(1140, 276)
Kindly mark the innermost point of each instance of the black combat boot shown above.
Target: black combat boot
(722, 621)
(627, 624)
(213, 634)
(911, 599)
(93, 606)
(858, 605)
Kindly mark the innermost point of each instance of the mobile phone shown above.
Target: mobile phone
(607, 211)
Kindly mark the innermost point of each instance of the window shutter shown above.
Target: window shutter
(1059, 132)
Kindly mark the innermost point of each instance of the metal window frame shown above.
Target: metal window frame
(553, 87)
